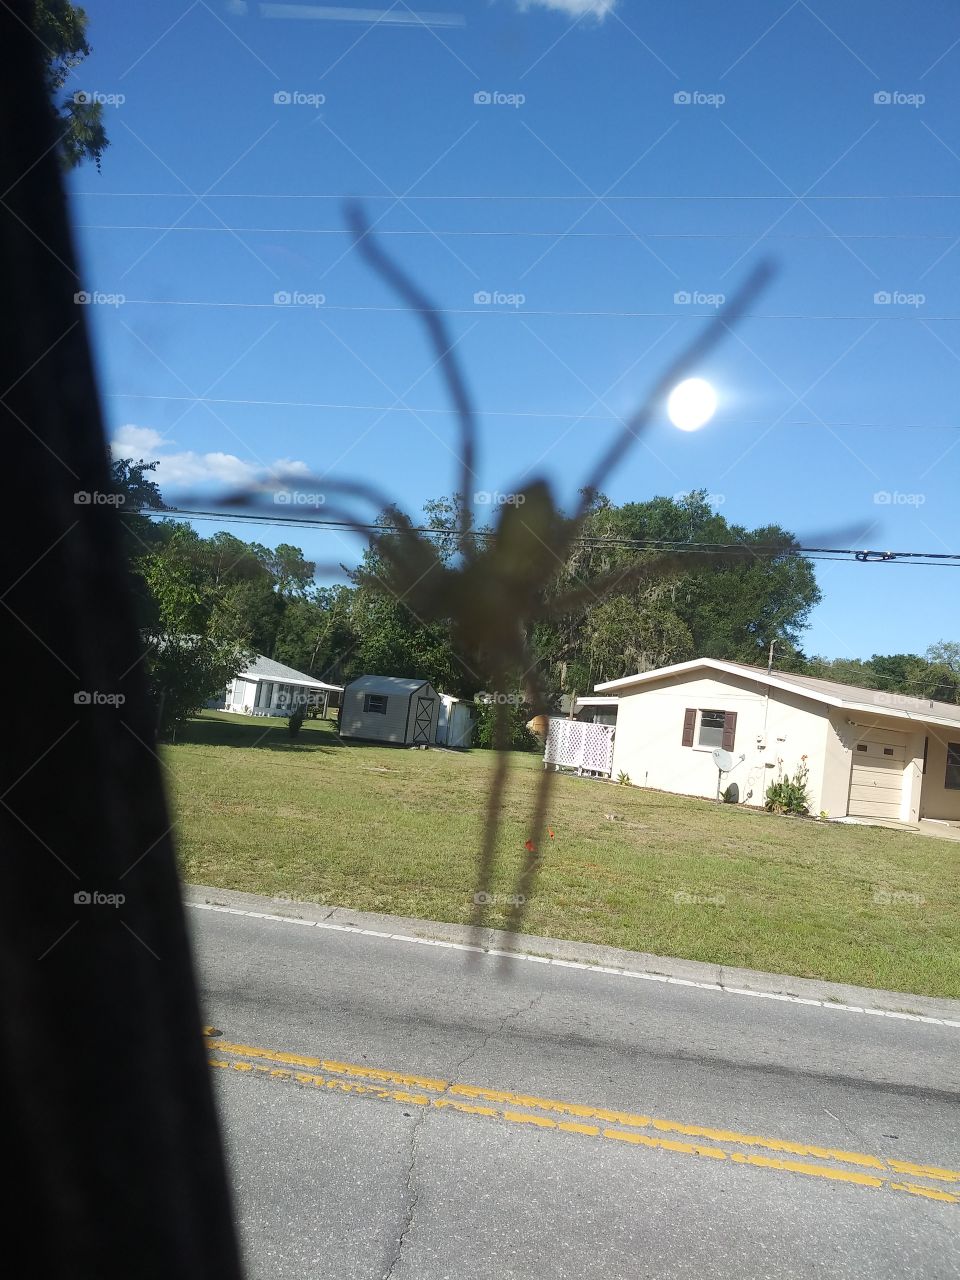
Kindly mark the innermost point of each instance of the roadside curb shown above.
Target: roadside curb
(747, 982)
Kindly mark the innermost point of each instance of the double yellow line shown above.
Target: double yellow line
(835, 1165)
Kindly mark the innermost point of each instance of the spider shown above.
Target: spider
(497, 588)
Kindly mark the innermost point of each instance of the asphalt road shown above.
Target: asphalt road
(401, 1110)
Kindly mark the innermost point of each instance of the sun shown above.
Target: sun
(692, 403)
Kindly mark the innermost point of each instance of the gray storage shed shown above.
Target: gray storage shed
(390, 709)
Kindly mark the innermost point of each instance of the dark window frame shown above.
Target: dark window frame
(381, 699)
(951, 772)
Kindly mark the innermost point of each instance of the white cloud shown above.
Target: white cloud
(187, 469)
(574, 8)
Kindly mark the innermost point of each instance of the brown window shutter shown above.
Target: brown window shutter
(729, 730)
(689, 723)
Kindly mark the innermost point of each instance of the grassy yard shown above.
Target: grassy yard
(384, 829)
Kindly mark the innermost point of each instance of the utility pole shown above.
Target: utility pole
(770, 657)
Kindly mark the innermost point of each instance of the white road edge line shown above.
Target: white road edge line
(576, 964)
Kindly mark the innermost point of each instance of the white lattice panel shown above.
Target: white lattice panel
(574, 745)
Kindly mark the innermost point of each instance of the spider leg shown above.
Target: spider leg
(443, 347)
(533, 860)
(675, 372)
(491, 826)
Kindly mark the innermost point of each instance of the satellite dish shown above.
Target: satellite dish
(723, 760)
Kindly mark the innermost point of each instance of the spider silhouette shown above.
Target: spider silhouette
(498, 585)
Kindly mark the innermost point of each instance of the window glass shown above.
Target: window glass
(375, 702)
(952, 778)
(711, 728)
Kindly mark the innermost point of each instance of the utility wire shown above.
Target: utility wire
(511, 413)
(945, 559)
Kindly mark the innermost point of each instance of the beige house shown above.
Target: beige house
(870, 754)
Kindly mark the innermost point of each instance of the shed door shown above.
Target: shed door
(876, 774)
(424, 720)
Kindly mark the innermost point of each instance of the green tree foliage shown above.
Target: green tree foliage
(61, 29)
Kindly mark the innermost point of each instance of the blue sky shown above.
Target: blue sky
(630, 154)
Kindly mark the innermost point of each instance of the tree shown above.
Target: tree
(61, 28)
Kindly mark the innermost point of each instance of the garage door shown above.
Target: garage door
(876, 777)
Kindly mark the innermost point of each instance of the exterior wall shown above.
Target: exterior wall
(650, 727)
(937, 801)
(392, 727)
(847, 727)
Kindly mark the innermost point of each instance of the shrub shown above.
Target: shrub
(519, 737)
(295, 723)
(789, 795)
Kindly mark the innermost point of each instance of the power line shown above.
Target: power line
(498, 232)
(508, 413)
(501, 196)
(683, 311)
(944, 559)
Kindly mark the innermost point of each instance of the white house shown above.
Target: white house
(870, 754)
(390, 709)
(268, 688)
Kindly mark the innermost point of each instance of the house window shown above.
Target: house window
(376, 703)
(952, 777)
(711, 729)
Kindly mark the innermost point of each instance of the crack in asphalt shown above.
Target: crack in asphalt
(411, 1189)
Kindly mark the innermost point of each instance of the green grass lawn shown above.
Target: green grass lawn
(386, 829)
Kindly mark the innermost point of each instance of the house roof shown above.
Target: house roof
(266, 669)
(386, 684)
(897, 705)
(598, 702)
